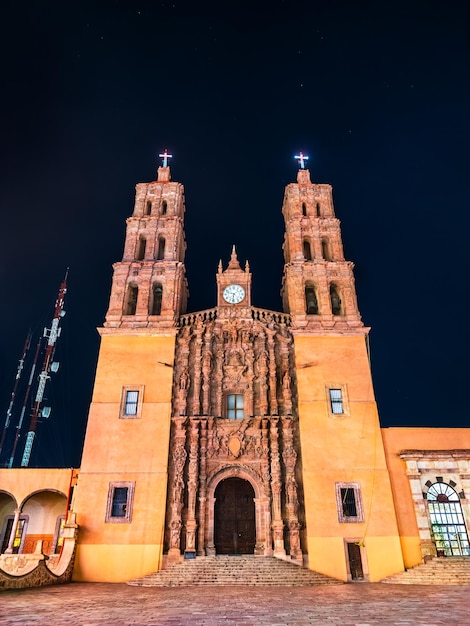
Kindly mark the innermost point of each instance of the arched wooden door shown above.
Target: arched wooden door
(234, 517)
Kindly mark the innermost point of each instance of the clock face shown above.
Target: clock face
(233, 294)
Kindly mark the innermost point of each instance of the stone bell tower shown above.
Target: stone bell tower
(349, 511)
(149, 284)
(124, 472)
(318, 286)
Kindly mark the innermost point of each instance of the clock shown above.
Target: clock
(233, 294)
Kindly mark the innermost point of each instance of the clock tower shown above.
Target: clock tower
(234, 284)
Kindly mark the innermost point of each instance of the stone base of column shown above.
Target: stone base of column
(428, 548)
(174, 556)
(210, 551)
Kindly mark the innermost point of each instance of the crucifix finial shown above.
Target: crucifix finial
(301, 158)
(165, 156)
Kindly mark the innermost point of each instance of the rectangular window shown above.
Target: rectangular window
(119, 503)
(131, 401)
(336, 401)
(349, 502)
(120, 500)
(130, 407)
(20, 533)
(235, 406)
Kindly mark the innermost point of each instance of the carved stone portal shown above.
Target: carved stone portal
(248, 359)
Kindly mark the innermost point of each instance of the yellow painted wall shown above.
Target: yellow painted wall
(132, 449)
(20, 483)
(345, 448)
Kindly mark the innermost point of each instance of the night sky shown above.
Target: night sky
(377, 93)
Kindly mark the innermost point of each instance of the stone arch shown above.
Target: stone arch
(263, 541)
(41, 491)
(235, 471)
(43, 508)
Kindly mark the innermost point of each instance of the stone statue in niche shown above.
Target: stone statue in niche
(184, 380)
(286, 393)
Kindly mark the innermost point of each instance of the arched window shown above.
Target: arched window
(311, 302)
(157, 293)
(307, 250)
(148, 208)
(447, 521)
(140, 256)
(325, 250)
(235, 406)
(161, 249)
(131, 300)
(304, 209)
(317, 209)
(164, 207)
(335, 300)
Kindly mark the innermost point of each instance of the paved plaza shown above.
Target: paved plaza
(103, 604)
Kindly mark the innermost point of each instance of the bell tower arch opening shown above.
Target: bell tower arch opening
(234, 517)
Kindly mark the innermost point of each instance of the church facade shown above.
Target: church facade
(240, 430)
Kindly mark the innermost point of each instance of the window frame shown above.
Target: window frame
(126, 389)
(344, 399)
(342, 517)
(236, 409)
(3, 539)
(127, 517)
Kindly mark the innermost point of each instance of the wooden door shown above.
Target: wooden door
(234, 517)
(355, 561)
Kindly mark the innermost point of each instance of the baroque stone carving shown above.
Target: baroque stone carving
(248, 356)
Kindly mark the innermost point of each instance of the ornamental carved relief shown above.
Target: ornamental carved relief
(249, 357)
(232, 355)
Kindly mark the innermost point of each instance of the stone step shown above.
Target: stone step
(437, 571)
(234, 570)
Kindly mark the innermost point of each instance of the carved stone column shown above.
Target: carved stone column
(14, 526)
(206, 376)
(202, 488)
(276, 486)
(191, 523)
(178, 460)
(262, 366)
(196, 405)
(289, 456)
(273, 407)
(219, 375)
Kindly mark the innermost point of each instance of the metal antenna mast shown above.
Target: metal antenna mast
(19, 371)
(52, 334)
(25, 404)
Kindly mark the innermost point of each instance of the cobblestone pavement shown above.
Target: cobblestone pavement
(103, 604)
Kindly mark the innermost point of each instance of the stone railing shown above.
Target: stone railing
(22, 571)
(261, 315)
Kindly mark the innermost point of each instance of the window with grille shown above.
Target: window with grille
(447, 520)
(349, 502)
(235, 406)
(120, 500)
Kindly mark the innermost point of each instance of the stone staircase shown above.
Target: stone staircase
(234, 570)
(451, 570)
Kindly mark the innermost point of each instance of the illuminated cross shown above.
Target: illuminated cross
(301, 158)
(165, 156)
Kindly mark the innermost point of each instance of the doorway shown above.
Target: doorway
(355, 561)
(234, 517)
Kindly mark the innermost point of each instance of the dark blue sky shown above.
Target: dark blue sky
(376, 93)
